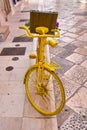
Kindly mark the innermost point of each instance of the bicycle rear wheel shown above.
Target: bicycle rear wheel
(44, 91)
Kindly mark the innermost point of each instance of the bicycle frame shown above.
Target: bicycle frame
(41, 50)
(42, 42)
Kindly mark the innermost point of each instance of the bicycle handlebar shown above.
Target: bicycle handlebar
(29, 34)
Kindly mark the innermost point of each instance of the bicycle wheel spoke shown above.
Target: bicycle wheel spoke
(44, 91)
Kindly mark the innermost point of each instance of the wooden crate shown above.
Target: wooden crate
(47, 19)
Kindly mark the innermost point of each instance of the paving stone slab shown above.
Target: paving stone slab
(3, 63)
(81, 14)
(72, 35)
(79, 43)
(82, 51)
(39, 124)
(78, 24)
(11, 87)
(84, 64)
(56, 50)
(17, 74)
(76, 30)
(68, 50)
(74, 122)
(76, 58)
(10, 123)
(77, 102)
(30, 111)
(70, 47)
(63, 115)
(33, 124)
(85, 84)
(67, 39)
(71, 22)
(62, 44)
(83, 37)
(4, 75)
(11, 105)
(85, 24)
(77, 73)
(65, 27)
(19, 62)
(85, 47)
(84, 31)
(70, 86)
(65, 65)
(65, 53)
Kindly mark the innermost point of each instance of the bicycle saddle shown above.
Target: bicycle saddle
(42, 30)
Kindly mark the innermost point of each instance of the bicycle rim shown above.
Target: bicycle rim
(50, 98)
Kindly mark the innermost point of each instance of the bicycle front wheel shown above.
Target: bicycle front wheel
(44, 90)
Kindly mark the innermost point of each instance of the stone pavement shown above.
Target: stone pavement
(71, 53)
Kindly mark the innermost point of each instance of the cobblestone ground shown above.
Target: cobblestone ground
(71, 54)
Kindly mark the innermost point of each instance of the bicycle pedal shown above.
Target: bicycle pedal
(32, 56)
(55, 65)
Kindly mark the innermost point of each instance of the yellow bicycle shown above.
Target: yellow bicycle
(43, 87)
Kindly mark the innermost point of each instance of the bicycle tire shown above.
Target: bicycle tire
(43, 104)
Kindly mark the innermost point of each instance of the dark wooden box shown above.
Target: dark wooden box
(47, 19)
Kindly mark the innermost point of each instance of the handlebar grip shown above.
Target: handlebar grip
(52, 43)
(56, 30)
